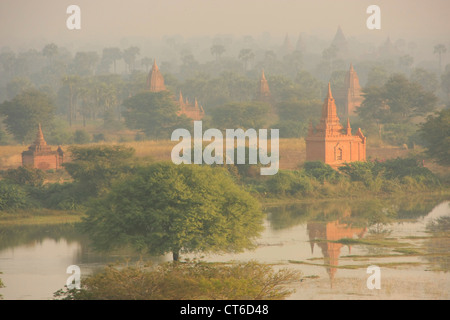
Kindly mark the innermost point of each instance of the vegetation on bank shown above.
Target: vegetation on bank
(95, 170)
(185, 281)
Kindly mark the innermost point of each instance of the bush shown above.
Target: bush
(289, 183)
(25, 176)
(81, 137)
(12, 196)
(185, 281)
(321, 171)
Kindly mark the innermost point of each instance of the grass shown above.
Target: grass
(39, 217)
(292, 151)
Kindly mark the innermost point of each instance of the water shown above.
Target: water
(34, 259)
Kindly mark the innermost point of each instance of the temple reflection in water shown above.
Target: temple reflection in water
(322, 233)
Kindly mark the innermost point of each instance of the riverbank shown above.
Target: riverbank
(39, 217)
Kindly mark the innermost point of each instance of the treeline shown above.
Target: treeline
(357, 179)
(95, 170)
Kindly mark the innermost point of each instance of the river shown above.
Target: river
(408, 240)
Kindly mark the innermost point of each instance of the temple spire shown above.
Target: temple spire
(40, 141)
(348, 128)
(155, 80)
(329, 95)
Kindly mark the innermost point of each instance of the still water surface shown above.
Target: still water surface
(399, 237)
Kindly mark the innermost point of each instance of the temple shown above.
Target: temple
(40, 156)
(340, 42)
(192, 111)
(350, 98)
(330, 142)
(155, 80)
(155, 83)
(264, 91)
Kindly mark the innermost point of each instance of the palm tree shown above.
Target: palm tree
(246, 55)
(217, 50)
(440, 49)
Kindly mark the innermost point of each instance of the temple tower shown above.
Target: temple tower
(330, 142)
(155, 80)
(353, 93)
(264, 91)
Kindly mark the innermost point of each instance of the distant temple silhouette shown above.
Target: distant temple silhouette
(350, 97)
(330, 142)
(40, 156)
(264, 91)
(155, 83)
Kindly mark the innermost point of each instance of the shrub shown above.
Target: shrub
(81, 137)
(289, 183)
(25, 176)
(185, 281)
(321, 171)
(12, 196)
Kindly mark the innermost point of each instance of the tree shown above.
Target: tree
(169, 208)
(95, 168)
(428, 80)
(17, 85)
(25, 112)
(445, 82)
(217, 50)
(50, 51)
(405, 62)
(243, 115)
(84, 63)
(440, 49)
(155, 113)
(246, 55)
(72, 83)
(112, 54)
(129, 56)
(436, 134)
(398, 100)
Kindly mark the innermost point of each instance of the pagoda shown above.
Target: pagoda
(330, 142)
(155, 83)
(40, 156)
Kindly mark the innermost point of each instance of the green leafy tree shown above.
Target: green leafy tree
(95, 168)
(241, 115)
(25, 176)
(155, 113)
(25, 112)
(398, 100)
(436, 135)
(12, 196)
(168, 208)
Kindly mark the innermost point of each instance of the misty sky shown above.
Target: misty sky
(26, 22)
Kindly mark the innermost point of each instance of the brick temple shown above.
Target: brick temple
(40, 156)
(350, 98)
(155, 83)
(330, 142)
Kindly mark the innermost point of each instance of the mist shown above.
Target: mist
(25, 24)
